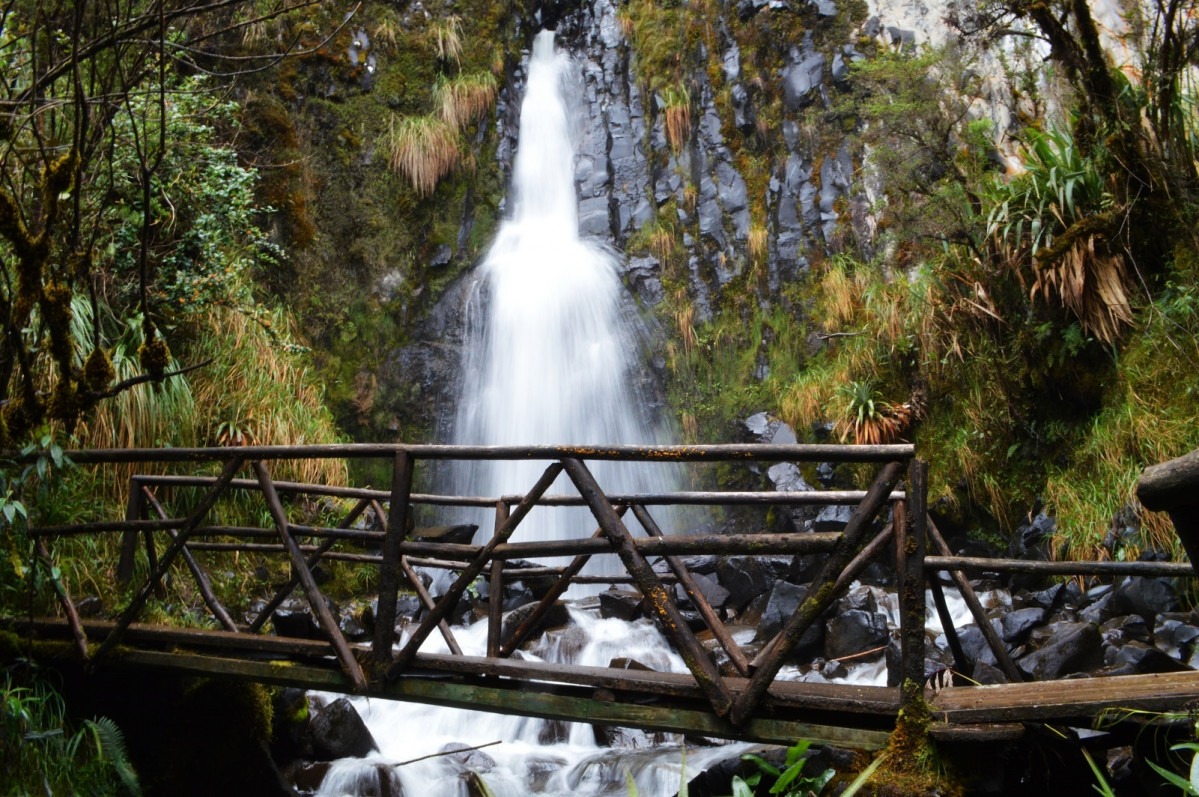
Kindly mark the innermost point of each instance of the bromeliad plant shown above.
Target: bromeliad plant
(790, 781)
(1059, 216)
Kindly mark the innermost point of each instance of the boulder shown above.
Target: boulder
(1144, 596)
(855, 631)
(337, 731)
(557, 616)
(622, 604)
(1072, 648)
(744, 578)
(1016, 625)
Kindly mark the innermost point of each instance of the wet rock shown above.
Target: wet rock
(760, 427)
(462, 756)
(1122, 630)
(1100, 610)
(853, 632)
(984, 673)
(701, 563)
(557, 616)
(337, 731)
(351, 629)
(783, 601)
(974, 644)
(90, 607)
(460, 534)
(1144, 596)
(744, 578)
(1072, 648)
(832, 518)
(622, 604)
(294, 618)
(1139, 658)
(716, 595)
(1016, 625)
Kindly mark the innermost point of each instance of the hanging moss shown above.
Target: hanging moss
(98, 371)
(153, 355)
(57, 313)
(65, 403)
(22, 414)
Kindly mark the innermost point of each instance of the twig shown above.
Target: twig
(448, 752)
(827, 335)
(137, 380)
(859, 655)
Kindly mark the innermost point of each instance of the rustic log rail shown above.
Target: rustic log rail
(743, 700)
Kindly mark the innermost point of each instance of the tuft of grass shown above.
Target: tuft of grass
(447, 37)
(463, 98)
(758, 245)
(423, 149)
(676, 115)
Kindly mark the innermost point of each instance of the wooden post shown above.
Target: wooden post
(910, 526)
(198, 574)
(139, 600)
(315, 599)
(389, 568)
(667, 613)
(495, 595)
(314, 559)
(820, 595)
(133, 511)
(976, 610)
(736, 656)
(467, 576)
(1173, 487)
(951, 633)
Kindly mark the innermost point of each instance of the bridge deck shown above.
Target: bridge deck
(850, 715)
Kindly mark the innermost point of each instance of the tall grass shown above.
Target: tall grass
(676, 116)
(464, 98)
(423, 149)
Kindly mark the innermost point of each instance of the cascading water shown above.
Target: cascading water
(551, 345)
(550, 354)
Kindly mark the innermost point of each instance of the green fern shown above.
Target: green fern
(110, 745)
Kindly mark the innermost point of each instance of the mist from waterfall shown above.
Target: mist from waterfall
(552, 342)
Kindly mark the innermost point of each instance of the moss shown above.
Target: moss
(98, 371)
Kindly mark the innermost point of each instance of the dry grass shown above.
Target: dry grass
(423, 149)
(758, 245)
(464, 98)
(1090, 281)
(684, 319)
(661, 244)
(676, 116)
(447, 37)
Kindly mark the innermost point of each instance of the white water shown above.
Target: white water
(551, 347)
(527, 762)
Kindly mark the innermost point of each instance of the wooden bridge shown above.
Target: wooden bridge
(743, 700)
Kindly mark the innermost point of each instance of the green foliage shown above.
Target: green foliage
(41, 751)
(789, 781)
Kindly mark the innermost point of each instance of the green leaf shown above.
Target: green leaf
(741, 788)
(1172, 778)
(762, 763)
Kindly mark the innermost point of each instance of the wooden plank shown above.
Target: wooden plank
(1170, 484)
(981, 620)
(978, 563)
(688, 497)
(313, 560)
(198, 574)
(981, 732)
(736, 656)
(822, 697)
(1077, 699)
(570, 707)
(674, 453)
(910, 525)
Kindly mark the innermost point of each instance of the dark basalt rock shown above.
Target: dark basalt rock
(1016, 625)
(744, 578)
(337, 731)
(622, 604)
(1072, 648)
(557, 616)
(1144, 596)
(1139, 658)
(853, 632)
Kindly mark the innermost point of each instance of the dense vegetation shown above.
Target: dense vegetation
(188, 191)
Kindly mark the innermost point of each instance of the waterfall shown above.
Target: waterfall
(552, 342)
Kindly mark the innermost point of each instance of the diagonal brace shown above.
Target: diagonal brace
(669, 617)
(185, 531)
(821, 593)
(315, 599)
(467, 576)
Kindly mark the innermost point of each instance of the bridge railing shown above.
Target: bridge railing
(889, 519)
